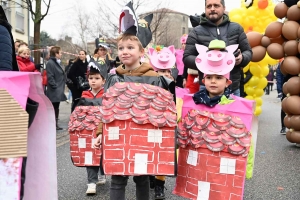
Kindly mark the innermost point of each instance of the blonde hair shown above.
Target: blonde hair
(22, 49)
(125, 37)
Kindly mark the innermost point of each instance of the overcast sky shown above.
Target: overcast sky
(58, 21)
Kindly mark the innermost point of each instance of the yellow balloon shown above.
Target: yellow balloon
(249, 97)
(245, 69)
(263, 62)
(249, 91)
(265, 71)
(257, 111)
(251, 11)
(254, 80)
(263, 82)
(258, 101)
(255, 70)
(258, 92)
(236, 18)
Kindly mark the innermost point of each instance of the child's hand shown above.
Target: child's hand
(98, 142)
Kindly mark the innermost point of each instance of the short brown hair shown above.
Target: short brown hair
(23, 43)
(221, 1)
(54, 50)
(96, 51)
(125, 37)
(95, 73)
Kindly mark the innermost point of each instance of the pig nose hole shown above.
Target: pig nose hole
(209, 55)
(229, 62)
(219, 55)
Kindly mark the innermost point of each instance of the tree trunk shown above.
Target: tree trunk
(37, 54)
(37, 31)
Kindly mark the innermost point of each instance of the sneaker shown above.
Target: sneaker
(68, 101)
(91, 188)
(297, 145)
(159, 192)
(279, 96)
(101, 180)
(283, 131)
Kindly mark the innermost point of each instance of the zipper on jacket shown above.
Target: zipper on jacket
(218, 33)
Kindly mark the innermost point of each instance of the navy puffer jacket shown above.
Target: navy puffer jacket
(8, 60)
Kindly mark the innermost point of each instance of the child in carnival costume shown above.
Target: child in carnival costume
(223, 133)
(135, 36)
(163, 61)
(182, 71)
(90, 99)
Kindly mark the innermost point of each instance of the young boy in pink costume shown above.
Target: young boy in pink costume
(163, 61)
(216, 72)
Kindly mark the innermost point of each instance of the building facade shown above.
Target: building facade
(18, 17)
(168, 26)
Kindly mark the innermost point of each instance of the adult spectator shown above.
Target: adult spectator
(56, 81)
(279, 81)
(77, 74)
(17, 43)
(8, 61)
(215, 24)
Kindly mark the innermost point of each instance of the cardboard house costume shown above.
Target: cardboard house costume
(138, 115)
(214, 141)
(27, 125)
(139, 130)
(83, 125)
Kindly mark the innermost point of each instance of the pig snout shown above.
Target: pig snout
(164, 57)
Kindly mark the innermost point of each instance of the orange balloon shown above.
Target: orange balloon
(262, 4)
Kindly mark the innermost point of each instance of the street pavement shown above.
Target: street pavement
(276, 170)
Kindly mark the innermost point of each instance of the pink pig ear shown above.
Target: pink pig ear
(150, 51)
(172, 49)
(201, 49)
(232, 48)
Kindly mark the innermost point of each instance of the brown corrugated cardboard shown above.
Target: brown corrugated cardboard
(13, 127)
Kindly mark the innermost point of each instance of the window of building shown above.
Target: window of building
(19, 4)
(183, 30)
(183, 18)
(20, 23)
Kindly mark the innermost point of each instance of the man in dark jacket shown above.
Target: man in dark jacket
(215, 24)
(8, 60)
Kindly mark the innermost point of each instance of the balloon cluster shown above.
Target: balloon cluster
(254, 16)
(289, 33)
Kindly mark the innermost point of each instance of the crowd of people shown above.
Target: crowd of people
(86, 77)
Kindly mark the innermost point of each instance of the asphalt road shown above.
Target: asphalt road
(276, 171)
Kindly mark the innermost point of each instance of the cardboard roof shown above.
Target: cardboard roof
(13, 126)
(214, 131)
(141, 103)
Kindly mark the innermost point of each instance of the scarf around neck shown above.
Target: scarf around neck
(202, 97)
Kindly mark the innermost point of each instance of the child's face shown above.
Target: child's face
(25, 54)
(96, 81)
(129, 53)
(166, 73)
(102, 52)
(215, 84)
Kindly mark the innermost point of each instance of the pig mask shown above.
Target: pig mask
(215, 61)
(162, 58)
